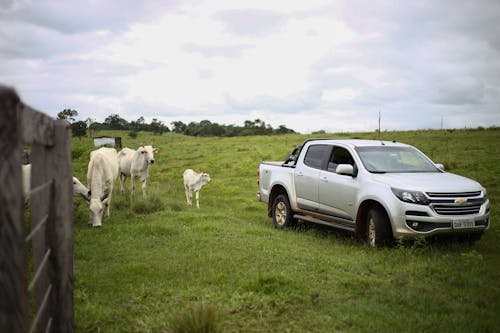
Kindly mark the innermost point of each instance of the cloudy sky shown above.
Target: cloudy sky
(310, 65)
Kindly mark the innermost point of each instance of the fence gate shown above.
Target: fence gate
(36, 257)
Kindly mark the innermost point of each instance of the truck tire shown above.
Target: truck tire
(282, 213)
(378, 228)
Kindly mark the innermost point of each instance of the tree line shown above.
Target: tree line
(203, 128)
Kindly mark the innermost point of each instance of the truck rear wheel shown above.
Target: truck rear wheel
(282, 213)
(378, 228)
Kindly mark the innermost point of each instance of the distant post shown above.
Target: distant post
(379, 124)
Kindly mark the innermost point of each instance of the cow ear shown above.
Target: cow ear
(105, 201)
(156, 150)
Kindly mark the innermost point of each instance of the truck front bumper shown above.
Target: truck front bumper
(417, 220)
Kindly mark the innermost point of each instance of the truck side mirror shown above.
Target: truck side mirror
(345, 169)
(440, 166)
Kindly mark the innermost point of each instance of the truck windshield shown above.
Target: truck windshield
(382, 159)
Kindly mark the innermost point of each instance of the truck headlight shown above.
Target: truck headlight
(485, 195)
(415, 197)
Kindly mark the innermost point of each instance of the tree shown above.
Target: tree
(68, 115)
(115, 122)
(138, 125)
(178, 127)
(158, 127)
(192, 129)
(79, 128)
(284, 130)
(90, 125)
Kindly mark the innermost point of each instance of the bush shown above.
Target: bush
(199, 319)
(79, 129)
(132, 134)
(143, 206)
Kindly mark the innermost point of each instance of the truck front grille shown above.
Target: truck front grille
(459, 203)
(456, 209)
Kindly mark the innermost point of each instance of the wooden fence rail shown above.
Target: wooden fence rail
(48, 272)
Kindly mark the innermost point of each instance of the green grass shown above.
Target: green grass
(158, 265)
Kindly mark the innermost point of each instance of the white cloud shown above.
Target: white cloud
(309, 65)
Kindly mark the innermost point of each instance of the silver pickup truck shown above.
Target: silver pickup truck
(380, 190)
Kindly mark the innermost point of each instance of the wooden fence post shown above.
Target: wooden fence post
(13, 266)
(61, 237)
(53, 163)
(51, 220)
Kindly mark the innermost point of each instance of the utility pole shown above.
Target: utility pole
(379, 124)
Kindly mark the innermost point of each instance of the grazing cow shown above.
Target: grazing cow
(135, 164)
(101, 177)
(78, 188)
(193, 182)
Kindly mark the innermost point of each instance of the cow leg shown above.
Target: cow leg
(122, 183)
(107, 203)
(197, 199)
(144, 187)
(186, 192)
(132, 181)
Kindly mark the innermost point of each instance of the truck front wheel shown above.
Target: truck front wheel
(378, 228)
(282, 213)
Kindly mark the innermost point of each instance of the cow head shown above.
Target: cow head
(205, 178)
(147, 153)
(80, 189)
(96, 210)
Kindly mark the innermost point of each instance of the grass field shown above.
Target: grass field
(158, 265)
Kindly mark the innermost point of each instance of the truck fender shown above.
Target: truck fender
(362, 212)
(276, 190)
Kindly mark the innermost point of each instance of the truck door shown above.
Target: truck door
(307, 176)
(337, 192)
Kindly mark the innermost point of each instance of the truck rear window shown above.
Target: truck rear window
(317, 155)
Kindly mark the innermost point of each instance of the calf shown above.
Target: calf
(135, 164)
(193, 182)
(101, 176)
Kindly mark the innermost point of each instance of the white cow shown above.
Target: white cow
(78, 188)
(101, 177)
(135, 164)
(193, 182)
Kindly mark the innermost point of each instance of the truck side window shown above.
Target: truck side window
(339, 156)
(317, 155)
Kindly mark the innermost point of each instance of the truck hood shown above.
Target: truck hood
(429, 182)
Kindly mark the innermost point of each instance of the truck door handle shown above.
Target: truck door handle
(300, 174)
(324, 179)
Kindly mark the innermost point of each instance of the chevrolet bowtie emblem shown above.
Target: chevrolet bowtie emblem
(460, 201)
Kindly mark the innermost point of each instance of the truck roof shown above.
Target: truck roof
(356, 142)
